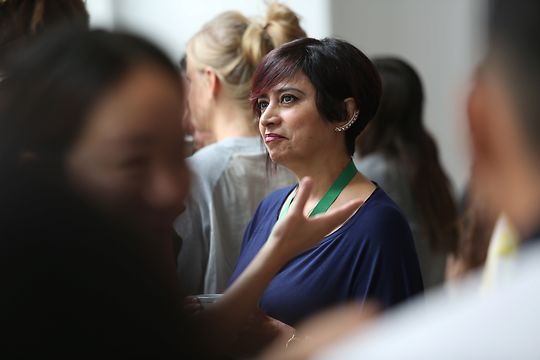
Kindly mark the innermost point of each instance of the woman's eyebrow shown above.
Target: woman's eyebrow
(289, 88)
(281, 90)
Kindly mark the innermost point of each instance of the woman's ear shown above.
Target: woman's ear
(352, 112)
(351, 107)
(213, 81)
(352, 115)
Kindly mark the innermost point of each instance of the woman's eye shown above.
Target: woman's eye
(262, 105)
(287, 99)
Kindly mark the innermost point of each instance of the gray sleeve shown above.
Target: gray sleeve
(193, 257)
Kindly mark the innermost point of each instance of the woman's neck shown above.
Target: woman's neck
(323, 171)
(231, 121)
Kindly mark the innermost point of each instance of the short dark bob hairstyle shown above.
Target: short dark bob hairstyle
(337, 70)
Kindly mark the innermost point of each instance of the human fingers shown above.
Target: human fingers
(304, 189)
(192, 305)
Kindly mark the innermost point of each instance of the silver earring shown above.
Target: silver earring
(348, 124)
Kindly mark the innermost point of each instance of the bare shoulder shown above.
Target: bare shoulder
(359, 187)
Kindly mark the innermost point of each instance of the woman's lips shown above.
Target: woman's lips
(272, 137)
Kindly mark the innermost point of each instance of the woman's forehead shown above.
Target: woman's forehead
(298, 81)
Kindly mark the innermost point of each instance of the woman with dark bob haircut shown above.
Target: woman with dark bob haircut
(313, 98)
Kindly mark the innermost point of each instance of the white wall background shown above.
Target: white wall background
(441, 38)
(170, 23)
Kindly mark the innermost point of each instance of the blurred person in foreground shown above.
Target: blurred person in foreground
(504, 120)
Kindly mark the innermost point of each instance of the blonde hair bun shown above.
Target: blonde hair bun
(282, 24)
(233, 45)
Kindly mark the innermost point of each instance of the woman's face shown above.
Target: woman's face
(129, 157)
(290, 123)
(199, 96)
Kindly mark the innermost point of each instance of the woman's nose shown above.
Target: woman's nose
(270, 117)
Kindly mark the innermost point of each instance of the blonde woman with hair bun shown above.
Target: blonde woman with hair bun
(230, 177)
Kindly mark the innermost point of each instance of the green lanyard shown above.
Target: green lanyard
(331, 195)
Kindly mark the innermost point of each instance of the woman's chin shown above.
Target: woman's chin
(281, 158)
(276, 159)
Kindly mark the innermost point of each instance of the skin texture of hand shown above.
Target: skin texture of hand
(257, 333)
(291, 236)
(321, 331)
(192, 306)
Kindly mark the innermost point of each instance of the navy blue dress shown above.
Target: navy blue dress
(371, 256)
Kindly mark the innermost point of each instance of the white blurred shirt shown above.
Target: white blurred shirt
(471, 324)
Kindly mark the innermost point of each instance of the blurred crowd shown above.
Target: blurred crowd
(268, 195)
